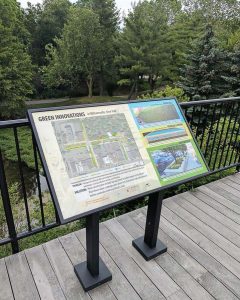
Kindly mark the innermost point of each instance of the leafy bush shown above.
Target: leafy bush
(168, 91)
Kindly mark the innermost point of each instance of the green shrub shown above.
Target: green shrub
(168, 91)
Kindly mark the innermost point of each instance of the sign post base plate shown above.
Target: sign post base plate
(87, 280)
(147, 252)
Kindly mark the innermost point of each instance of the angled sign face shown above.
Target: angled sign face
(98, 156)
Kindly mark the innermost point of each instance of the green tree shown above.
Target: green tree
(45, 22)
(32, 15)
(183, 31)
(233, 77)
(223, 15)
(15, 63)
(76, 55)
(203, 77)
(109, 21)
(142, 45)
(214, 9)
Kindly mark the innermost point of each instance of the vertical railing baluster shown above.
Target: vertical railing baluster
(226, 136)
(204, 127)
(234, 147)
(22, 178)
(7, 207)
(237, 157)
(192, 118)
(215, 135)
(220, 138)
(210, 130)
(231, 137)
(38, 179)
(199, 121)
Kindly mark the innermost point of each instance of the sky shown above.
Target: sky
(124, 5)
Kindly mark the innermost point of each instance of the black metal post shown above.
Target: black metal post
(7, 207)
(93, 272)
(92, 241)
(148, 245)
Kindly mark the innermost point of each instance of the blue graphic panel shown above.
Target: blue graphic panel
(151, 114)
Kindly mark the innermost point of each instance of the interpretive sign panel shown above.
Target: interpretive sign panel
(97, 156)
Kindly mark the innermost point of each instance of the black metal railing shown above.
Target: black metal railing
(215, 125)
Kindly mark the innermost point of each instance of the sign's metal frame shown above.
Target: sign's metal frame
(111, 205)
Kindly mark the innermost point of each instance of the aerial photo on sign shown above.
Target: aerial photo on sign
(96, 143)
(100, 155)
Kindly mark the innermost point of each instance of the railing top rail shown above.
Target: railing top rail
(14, 123)
(206, 102)
(25, 122)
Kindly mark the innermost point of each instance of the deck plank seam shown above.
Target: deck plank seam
(190, 224)
(224, 186)
(210, 215)
(219, 279)
(9, 279)
(215, 200)
(197, 245)
(157, 261)
(206, 238)
(198, 277)
(50, 263)
(220, 212)
(179, 288)
(225, 191)
(136, 264)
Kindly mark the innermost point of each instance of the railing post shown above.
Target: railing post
(7, 207)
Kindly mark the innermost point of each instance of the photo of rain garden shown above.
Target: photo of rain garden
(175, 159)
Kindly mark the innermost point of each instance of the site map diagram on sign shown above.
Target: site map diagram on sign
(100, 155)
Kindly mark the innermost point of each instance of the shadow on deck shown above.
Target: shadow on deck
(201, 229)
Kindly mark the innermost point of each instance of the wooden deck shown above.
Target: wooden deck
(201, 229)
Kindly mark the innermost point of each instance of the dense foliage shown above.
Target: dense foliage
(60, 48)
(203, 74)
(162, 48)
(15, 62)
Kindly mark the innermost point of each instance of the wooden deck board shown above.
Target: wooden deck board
(206, 230)
(208, 216)
(207, 245)
(21, 279)
(119, 284)
(201, 229)
(154, 272)
(43, 274)
(77, 254)
(215, 210)
(192, 266)
(184, 281)
(6, 290)
(137, 278)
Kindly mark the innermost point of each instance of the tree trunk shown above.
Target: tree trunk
(132, 90)
(101, 84)
(90, 86)
(136, 88)
(151, 82)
